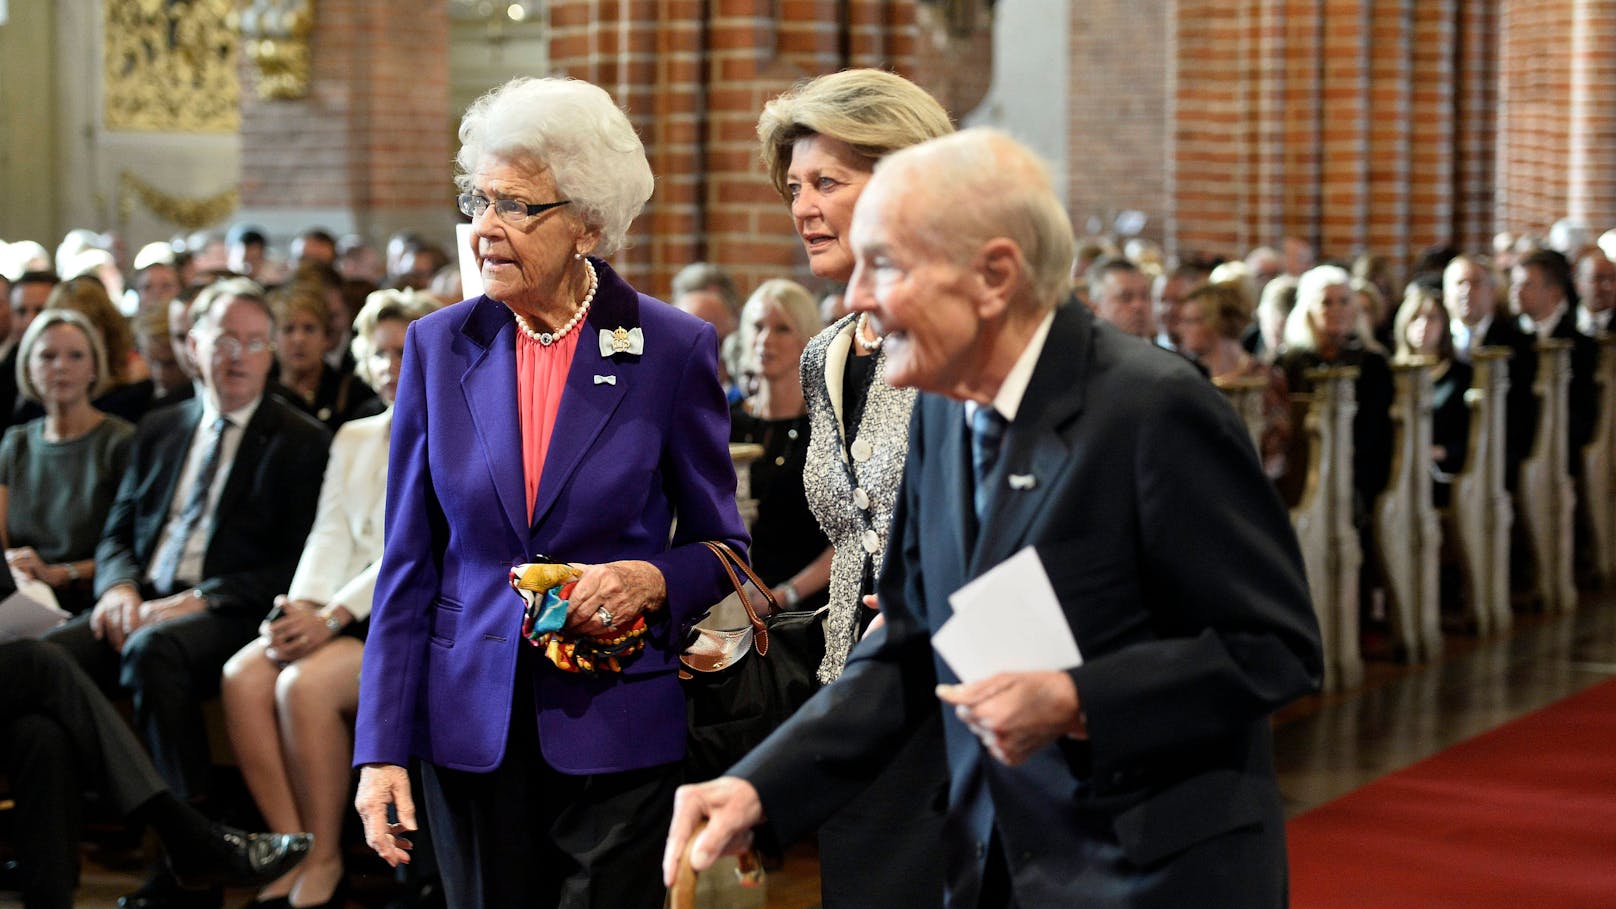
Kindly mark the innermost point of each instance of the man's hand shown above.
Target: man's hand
(167, 609)
(116, 615)
(1017, 713)
(381, 785)
(731, 808)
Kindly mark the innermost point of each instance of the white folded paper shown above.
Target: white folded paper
(1007, 620)
(31, 611)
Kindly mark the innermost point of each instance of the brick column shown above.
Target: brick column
(1430, 127)
(694, 75)
(1388, 201)
(1591, 165)
(369, 149)
(1344, 136)
(1476, 108)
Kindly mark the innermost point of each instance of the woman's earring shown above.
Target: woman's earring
(577, 255)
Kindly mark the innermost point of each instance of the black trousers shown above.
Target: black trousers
(58, 732)
(529, 835)
(170, 669)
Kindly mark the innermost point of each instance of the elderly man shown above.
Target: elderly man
(1171, 289)
(1596, 285)
(1119, 293)
(707, 292)
(206, 529)
(1143, 776)
(1471, 296)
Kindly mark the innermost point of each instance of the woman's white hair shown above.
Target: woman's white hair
(575, 131)
(1310, 292)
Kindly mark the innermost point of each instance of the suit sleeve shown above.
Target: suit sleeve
(700, 478)
(1224, 585)
(410, 576)
(115, 561)
(841, 740)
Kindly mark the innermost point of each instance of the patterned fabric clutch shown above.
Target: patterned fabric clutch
(546, 587)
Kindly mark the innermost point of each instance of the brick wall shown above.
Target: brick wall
(694, 75)
(1117, 111)
(373, 135)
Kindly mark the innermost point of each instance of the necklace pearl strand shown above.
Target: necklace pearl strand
(859, 330)
(547, 338)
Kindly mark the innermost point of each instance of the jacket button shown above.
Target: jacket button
(861, 498)
(872, 542)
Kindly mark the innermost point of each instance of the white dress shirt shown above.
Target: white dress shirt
(189, 571)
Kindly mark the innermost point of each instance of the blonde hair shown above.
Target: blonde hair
(37, 328)
(1223, 306)
(87, 296)
(304, 298)
(794, 301)
(401, 305)
(874, 111)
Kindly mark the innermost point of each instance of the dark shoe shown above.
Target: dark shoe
(338, 900)
(241, 858)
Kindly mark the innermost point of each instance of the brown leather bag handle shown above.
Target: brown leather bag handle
(728, 558)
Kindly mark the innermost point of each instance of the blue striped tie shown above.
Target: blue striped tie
(987, 434)
(168, 560)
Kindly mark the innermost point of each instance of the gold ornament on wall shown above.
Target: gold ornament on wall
(191, 214)
(170, 65)
(276, 36)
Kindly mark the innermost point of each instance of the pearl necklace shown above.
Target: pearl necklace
(546, 337)
(858, 332)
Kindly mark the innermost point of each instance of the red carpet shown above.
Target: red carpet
(1523, 816)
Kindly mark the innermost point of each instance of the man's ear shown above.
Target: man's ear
(1002, 271)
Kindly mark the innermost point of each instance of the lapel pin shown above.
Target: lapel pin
(606, 380)
(1023, 481)
(621, 340)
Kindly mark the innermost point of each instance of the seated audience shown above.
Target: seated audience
(1119, 293)
(1211, 319)
(1374, 317)
(1322, 331)
(1542, 290)
(789, 551)
(314, 246)
(28, 295)
(1470, 296)
(206, 529)
(1266, 335)
(706, 291)
(59, 472)
(170, 382)
(59, 734)
(1423, 328)
(1171, 289)
(127, 391)
(1596, 285)
(298, 683)
(302, 336)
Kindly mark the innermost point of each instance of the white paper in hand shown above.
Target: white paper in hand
(1007, 620)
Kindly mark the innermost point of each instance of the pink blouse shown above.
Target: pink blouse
(541, 377)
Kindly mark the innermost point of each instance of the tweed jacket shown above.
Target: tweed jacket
(857, 526)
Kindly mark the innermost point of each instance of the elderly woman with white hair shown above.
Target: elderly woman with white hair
(1323, 330)
(561, 425)
(298, 683)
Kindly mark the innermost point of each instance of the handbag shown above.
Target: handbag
(745, 673)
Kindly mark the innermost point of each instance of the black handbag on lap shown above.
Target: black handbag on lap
(746, 669)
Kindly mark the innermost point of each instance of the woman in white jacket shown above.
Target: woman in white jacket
(298, 683)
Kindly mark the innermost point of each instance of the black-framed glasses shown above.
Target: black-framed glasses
(509, 210)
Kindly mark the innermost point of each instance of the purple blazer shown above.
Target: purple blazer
(627, 458)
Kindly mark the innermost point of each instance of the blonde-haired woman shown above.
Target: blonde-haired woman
(789, 551)
(298, 684)
(59, 473)
(125, 390)
(820, 143)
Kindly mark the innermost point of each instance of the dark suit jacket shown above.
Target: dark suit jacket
(1520, 402)
(259, 523)
(1582, 398)
(1181, 580)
